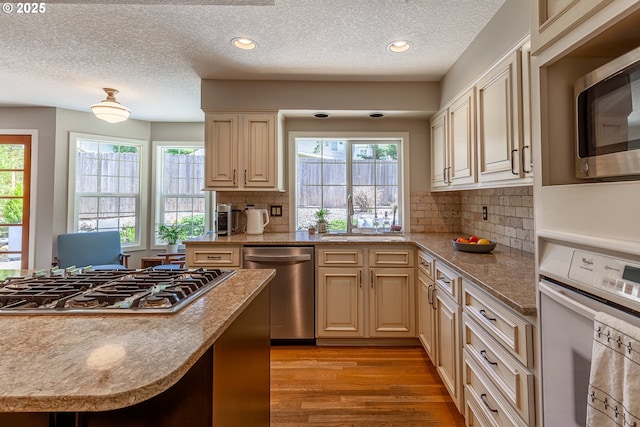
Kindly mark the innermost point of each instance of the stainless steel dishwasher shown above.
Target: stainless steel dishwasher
(292, 291)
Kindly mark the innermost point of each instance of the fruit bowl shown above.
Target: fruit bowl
(475, 248)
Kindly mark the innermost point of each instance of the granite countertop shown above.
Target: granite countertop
(102, 362)
(507, 274)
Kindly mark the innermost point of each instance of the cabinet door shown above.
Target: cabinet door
(426, 315)
(498, 121)
(448, 345)
(462, 134)
(526, 150)
(391, 302)
(439, 150)
(260, 150)
(221, 145)
(340, 302)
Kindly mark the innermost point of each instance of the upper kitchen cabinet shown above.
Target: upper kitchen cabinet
(483, 138)
(503, 153)
(243, 151)
(551, 19)
(453, 144)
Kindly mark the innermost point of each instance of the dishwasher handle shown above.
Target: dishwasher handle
(278, 258)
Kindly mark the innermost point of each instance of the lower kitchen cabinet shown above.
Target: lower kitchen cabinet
(339, 303)
(448, 344)
(392, 302)
(218, 256)
(426, 309)
(426, 314)
(355, 301)
(498, 362)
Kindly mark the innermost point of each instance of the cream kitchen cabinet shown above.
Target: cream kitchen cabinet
(340, 303)
(502, 152)
(392, 302)
(498, 361)
(439, 147)
(552, 19)
(453, 153)
(243, 152)
(365, 292)
(426, 310)
(222, 256)
(448, 344)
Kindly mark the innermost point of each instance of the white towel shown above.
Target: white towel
(614, 383)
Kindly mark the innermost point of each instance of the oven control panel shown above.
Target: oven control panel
(606, 273)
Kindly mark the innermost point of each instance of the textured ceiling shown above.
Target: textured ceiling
(156, 52)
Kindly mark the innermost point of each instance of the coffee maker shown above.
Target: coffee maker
(224, 219)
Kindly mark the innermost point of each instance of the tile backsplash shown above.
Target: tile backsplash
(261, 200)
(509, 222)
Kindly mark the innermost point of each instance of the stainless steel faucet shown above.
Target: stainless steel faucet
(350, 213)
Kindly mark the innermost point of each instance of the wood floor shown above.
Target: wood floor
(358, 386)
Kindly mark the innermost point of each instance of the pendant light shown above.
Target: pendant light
(109, 109)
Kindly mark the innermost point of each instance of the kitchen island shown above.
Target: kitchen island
(207, 364)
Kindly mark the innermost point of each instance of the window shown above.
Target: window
(367, 168)
(179, 179)
(106, 186)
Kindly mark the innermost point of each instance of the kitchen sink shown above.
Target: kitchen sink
(362, 238)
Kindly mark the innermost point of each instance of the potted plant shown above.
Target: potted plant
(171, 234)
(321, 217)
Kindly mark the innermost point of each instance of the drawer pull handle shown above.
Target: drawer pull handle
(214, 257)
(483, 353)
(484, 314)
(483, 396)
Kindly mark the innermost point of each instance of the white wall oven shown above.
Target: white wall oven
(575, 283)
(607, 105)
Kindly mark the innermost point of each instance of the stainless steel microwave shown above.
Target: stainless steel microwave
(608, 120)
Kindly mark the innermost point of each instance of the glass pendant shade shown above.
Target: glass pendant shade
(109, 109)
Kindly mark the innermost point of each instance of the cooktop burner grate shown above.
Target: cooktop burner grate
(117, 291)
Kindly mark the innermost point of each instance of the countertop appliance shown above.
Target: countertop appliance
(575, 283)
(608, 119)
(224, 219)
(257, 219)
(292, 291)
(107, 291)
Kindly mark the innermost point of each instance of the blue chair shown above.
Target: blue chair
(99, 249)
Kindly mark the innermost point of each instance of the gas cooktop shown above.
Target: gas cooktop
(112, 291)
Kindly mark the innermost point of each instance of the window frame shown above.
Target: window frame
(403, 164)
(141, 204)
(156, 161)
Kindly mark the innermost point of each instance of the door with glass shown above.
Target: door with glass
(15, 172)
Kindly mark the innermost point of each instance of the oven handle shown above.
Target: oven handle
(567, 302)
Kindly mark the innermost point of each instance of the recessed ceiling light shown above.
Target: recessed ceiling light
(244, 43)
(399, 46)
(376, 115)
(321, 115)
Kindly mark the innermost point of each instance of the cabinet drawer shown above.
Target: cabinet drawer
(426, 264)
(217, 257)
(482, 397)
(510, 330)
(391, 258)
(348, 257)
(507, 374)
(450, 282)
